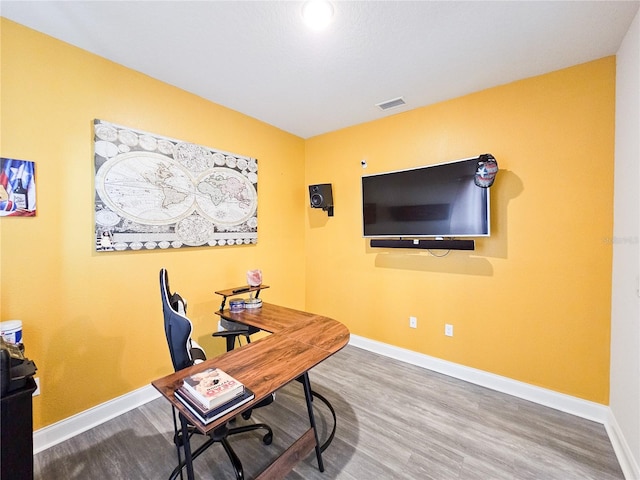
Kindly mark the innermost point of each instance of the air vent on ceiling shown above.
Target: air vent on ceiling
(393, 103)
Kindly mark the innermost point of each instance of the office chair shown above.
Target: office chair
(184, 353)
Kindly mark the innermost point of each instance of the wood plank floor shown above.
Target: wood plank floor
(395, 421)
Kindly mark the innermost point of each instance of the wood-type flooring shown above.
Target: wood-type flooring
(395, 421)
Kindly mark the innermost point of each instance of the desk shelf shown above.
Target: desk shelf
(230, 292)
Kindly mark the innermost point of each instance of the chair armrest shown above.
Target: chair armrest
(230, 333)
(197, 352)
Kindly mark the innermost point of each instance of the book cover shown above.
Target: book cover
(213, 387)
(185, 396)
(209, 416)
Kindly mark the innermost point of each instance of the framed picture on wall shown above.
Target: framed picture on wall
(154, 192)
(17, 188)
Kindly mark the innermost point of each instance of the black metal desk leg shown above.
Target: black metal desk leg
(175, 440)
(231, 342)
(186, 443)
(309, 398)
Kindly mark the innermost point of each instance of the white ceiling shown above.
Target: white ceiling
(259, 59)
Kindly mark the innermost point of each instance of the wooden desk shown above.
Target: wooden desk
(298, 342)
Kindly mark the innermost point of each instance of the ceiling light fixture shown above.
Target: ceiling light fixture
(317, 14)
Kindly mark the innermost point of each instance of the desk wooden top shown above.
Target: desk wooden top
(270, 318)
(299, 341)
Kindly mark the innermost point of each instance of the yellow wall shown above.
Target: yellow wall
(92, 321)
(532, 302)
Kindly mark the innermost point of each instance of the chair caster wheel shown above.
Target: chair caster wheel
(267, 439)
(246, 415)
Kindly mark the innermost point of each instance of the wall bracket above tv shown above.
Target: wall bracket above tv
(426, 244)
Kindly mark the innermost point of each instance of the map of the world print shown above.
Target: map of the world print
(156, 192)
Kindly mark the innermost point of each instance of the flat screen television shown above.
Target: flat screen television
(440, 201)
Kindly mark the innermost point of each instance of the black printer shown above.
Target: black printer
(15, 368)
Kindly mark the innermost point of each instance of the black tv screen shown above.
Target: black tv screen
(432, 201)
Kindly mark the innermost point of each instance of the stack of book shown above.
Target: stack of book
(211, 394)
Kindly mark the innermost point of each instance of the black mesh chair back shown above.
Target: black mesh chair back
(177, 327)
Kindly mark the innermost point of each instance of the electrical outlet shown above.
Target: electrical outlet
(37, 390)
(448, 330)
(413, 322)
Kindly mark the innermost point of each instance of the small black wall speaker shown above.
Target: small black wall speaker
(321, 196)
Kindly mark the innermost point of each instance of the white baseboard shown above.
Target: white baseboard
(69, 427)
(576, 406)
(629, 466)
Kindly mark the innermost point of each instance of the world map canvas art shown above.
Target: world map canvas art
(154, 192)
